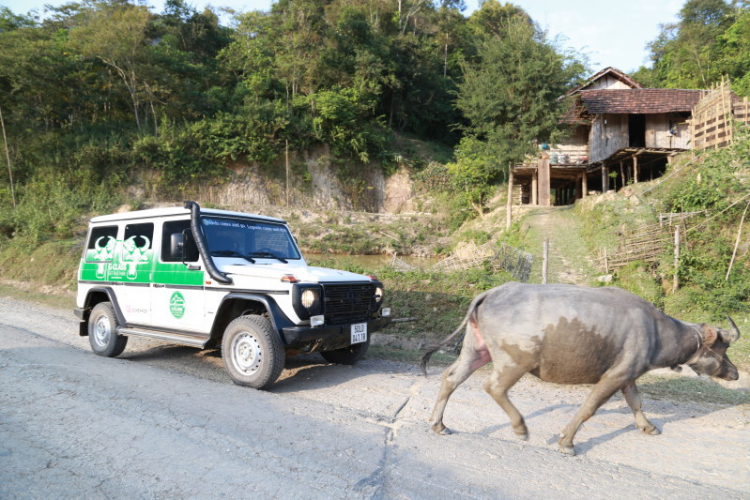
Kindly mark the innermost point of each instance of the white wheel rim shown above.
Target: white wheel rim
(246, 353)
(102, 331)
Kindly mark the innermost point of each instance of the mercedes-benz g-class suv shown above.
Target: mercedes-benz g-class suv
(209, 278)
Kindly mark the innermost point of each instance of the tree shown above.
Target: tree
(685, 54)
(734, 52)
(511, 93)
(116, 34)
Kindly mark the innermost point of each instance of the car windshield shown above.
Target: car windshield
(248, 239)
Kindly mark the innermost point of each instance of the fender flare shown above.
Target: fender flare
(279, 320)
(107, 290)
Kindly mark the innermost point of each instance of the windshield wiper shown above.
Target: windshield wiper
(269, 254)
(232, 253)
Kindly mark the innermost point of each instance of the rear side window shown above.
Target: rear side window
(140, 234)
(101, 244)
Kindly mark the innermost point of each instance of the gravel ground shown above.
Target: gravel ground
(165, 422)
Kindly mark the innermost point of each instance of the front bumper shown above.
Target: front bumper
(327, 337)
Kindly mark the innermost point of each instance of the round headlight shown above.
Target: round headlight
(309, 298)
(379, 294)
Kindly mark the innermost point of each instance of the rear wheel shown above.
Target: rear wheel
(347, 355)
(103, 335)
(252, 352)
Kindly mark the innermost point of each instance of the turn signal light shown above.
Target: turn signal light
(289, 278)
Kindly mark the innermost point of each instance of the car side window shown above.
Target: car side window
(172, 232)
(101, 244)
(142, 235)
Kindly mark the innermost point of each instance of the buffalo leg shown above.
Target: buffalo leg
(501, 380)
(601, 392)
(470, 360)
(633, 398)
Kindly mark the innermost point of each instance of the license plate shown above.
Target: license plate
(359, 333)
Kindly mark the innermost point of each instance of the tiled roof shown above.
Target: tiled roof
(639, 101)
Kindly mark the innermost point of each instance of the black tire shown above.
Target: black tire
(103, 335)
(252, 352)
(347, 355)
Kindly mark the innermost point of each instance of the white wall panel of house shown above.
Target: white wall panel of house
(607, 82)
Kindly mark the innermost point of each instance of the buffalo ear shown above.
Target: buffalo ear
(709, 334)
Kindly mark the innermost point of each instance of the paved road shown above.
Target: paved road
(166, 422)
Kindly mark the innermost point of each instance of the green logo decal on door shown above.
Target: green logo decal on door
(177, 305)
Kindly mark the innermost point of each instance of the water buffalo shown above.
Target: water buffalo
(570, 334)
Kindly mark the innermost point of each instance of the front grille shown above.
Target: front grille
(347, 303)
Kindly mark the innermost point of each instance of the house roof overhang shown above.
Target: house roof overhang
(639, 101)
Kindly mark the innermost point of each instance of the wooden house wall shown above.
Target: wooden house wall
(658, 133)
(575, 146)
(608, 134)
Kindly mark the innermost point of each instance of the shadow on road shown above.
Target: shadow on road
(307, 371)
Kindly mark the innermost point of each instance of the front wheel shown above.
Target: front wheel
(103, 335)
(347, 355)
(252, 352)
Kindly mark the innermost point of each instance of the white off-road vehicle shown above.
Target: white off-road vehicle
(209, 278)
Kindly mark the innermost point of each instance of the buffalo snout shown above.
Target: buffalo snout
(728, 371)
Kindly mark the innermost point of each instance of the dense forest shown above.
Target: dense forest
(96, 92)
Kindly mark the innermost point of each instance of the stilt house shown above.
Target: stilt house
(620, 133)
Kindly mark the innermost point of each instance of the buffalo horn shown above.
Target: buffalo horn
(732, 337)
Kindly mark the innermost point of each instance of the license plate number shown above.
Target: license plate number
(359, 333)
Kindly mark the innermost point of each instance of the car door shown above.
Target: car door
(130, 272)
(177, 290)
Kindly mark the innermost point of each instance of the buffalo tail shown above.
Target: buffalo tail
(472, 310)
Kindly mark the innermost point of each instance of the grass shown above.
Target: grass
(38, 297)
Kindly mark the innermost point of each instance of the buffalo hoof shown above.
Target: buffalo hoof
(566, 448)
(653, 431)
(440, 429)
(523, 436)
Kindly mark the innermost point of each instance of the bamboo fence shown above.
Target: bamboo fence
(507, 258)
(649, 242)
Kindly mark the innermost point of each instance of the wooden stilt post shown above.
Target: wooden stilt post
(544, 182)
(545, 260)
(635, 169)
(509, 210)
(606, 261)
(534, 188)
(584, 185)
(676, 257)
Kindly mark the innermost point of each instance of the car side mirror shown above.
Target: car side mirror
(176, 246)
(189, 247)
